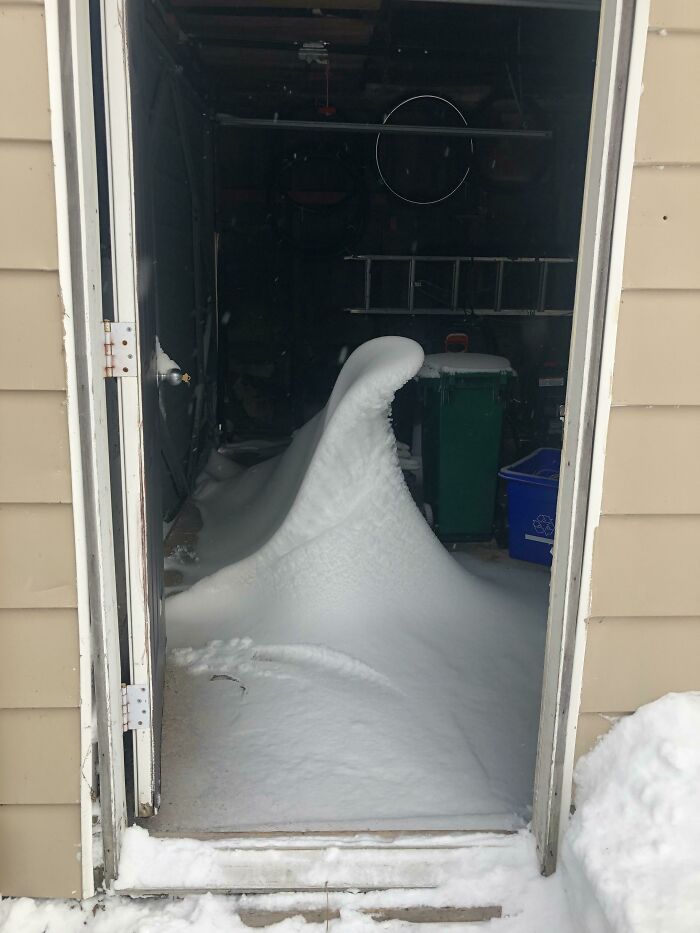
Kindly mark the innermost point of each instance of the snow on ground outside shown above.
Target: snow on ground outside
(632, 851)
(630, 858)
(333, 666)
(503, 870)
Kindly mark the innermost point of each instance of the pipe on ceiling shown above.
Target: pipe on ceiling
(470, 132)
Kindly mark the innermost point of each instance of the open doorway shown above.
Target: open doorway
(267, 253)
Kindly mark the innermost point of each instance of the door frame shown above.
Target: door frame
(610, 158)
(69, 58)
(612, 135)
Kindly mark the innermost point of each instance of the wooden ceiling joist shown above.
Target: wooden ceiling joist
(240, 58)
(277, 29)
(222, 6)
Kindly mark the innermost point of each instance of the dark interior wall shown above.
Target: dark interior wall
(284, 284)
(284, 294)
(173, 163)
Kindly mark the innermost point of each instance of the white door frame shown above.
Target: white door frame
(616, 95)
(618, 85)
(77, 213)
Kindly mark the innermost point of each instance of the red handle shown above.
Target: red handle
(456, 343)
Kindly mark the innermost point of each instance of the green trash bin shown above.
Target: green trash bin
(463, 398)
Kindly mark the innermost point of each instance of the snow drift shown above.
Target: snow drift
(631, 850)
(371, 676)
(304, 521)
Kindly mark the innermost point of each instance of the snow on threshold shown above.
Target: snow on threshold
(371, 677)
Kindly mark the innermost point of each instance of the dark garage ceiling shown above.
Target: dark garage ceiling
(255, 57)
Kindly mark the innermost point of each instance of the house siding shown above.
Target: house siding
(40, 830)
(643, 625)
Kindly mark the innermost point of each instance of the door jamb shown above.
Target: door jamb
(622, 40)
(75, 176)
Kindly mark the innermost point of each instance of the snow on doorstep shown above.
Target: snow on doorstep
(497, 870)
(629, 864)
(632, 850)
(332, 666)
(438, 363)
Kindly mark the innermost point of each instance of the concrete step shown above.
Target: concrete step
(257, 919)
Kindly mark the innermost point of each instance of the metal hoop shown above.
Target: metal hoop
(379, 135)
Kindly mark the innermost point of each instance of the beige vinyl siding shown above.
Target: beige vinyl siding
(643, 630)
(40, 849)
(590, 728)
(39, 652)
(45, 765)
(28, 229)
(678, 68)
(662, 251)
(30, 304)
(38, 566)
(35, 467)
(23, 68)
(653, 371)
(666, 652)
(667, 443)
(675, 14)
(39, 685)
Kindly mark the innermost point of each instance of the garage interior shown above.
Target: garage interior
(278, 231)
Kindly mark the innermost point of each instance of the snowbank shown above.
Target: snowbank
(631, 854)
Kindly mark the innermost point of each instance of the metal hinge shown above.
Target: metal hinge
(136, 707)
(119, 348)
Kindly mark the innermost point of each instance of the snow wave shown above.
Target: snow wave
(319, 577)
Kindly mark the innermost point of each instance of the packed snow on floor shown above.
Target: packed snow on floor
(332, 665)
(632, 851)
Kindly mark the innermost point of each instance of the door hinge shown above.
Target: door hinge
(136, 707)
(119, 349)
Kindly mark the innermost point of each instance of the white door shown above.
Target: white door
(163, 266)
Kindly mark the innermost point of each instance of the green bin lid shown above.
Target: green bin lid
(437, 364)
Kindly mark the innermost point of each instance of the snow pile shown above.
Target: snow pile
(206, 914)
(632, 850)
(341, 667)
